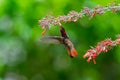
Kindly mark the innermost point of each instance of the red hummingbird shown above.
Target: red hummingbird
(63, 39)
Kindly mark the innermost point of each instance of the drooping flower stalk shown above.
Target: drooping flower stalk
(103, 46)
(46, 22)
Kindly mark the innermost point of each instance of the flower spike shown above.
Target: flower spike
(103, 46)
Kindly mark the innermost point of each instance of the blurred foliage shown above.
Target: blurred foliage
(24, 57)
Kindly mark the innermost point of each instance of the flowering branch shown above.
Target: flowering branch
(74, 16)
(103, 46)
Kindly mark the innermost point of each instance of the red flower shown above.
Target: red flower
(118, 40)
(91, 54)
(102, 46)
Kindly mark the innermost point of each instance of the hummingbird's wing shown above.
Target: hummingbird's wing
(52, 39)
(61, 40)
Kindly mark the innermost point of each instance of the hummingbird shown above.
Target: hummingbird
(63, 39)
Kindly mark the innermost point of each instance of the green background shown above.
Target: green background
(24, 57)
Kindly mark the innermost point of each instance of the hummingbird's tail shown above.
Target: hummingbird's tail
(72, 52)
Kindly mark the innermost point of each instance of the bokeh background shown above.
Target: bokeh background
(24, 57)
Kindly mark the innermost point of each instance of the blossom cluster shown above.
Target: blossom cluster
(103, 46)
(47, 21)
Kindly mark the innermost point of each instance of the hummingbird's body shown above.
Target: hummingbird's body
(71, 50)
(64, 39)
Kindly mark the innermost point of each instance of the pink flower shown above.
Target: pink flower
(118, 40)
(102, 46)
(99, 10)
(87, 11)
(91, 54)
(44, 23)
